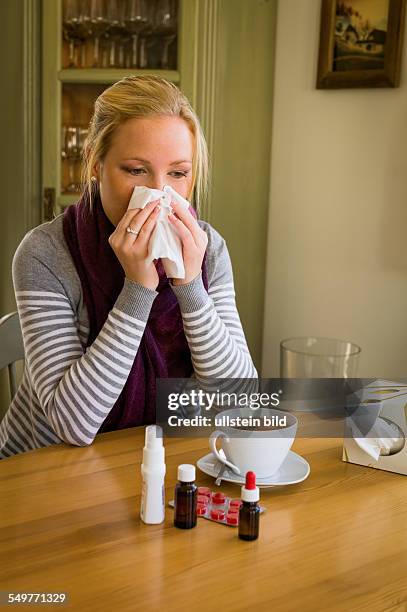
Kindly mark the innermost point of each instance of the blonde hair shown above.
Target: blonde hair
(143, 96)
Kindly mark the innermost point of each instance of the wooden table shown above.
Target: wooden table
(70, 522)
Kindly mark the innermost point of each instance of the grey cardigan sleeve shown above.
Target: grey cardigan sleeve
(211, 321)
(75, 388)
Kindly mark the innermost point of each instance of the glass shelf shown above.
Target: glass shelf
(111, 75)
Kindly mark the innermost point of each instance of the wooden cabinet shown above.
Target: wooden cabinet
(68, 95)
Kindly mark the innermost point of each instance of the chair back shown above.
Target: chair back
(11, 347)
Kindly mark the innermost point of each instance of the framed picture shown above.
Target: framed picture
(360, 43)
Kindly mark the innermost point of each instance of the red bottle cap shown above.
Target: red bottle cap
(217, 514)
(232, 518)
(250, 493)
(250, 481)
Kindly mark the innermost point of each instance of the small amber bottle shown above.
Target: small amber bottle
(185, 499)
(249, 513)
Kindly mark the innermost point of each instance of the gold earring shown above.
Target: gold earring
(93, 179)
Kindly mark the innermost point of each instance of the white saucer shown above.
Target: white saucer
(294, 469)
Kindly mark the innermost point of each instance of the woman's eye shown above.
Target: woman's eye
(179, 174)
(134, 171)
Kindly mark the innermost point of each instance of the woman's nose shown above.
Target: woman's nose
(155, 182)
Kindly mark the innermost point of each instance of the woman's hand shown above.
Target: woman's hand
(131, 250)
(193, 239)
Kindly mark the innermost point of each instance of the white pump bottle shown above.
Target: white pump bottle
(153, 469)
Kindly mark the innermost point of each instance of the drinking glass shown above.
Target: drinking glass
(165, 26)
(99, 25)
(71, 151)
(303, 363)
(69, 27)
(84, 28)
(116, 31)
(82, 135)
(136, 19)
(63, 142)
(77, 28)
(312, 357)
(145, 39)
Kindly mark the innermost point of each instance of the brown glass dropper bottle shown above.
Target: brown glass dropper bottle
(185, 498)
(249, 513)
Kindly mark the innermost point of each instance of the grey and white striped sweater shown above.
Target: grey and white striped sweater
(67, 390)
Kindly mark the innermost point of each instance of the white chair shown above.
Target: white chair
(11, 347)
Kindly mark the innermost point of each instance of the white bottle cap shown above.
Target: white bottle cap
(154, 436)
(153, 451)
(186, 472)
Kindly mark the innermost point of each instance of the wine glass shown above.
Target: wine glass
(82, 135)
(145, 36)
(70, 153)
(99, 25)
(116, 29)
(84, 27)
(63, 142)
(165, 26)
(76, 27)
(136, 19)
(73, 139)
(69, 25)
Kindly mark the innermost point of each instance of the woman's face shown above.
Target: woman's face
(149, 152)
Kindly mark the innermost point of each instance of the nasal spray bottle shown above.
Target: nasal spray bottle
(153, 471)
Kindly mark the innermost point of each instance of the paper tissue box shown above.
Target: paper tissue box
(375, 433)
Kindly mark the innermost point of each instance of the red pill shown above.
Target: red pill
(235, 503)
(233, 510)
(217, 514)
(201, 509)
(202, 499)
(232, 518)
(218, 498)
(204, 491)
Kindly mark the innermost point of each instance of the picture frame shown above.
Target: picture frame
(360, 46)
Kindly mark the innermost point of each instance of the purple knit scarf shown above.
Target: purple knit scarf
(163, 350)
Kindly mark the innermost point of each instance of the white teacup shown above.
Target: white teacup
(263, 450)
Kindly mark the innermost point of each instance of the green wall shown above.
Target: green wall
(20, 150)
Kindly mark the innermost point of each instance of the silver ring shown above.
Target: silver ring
(130, 230)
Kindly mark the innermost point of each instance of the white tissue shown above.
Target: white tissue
(164, 242)
(379, 440)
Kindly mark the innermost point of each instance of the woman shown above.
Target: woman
(99, 323)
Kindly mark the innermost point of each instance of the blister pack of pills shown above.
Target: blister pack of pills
(216, 506)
